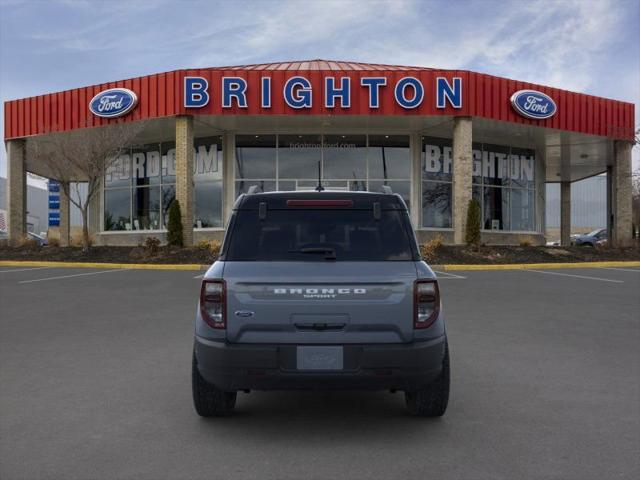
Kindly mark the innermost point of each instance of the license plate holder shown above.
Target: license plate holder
(320, 358)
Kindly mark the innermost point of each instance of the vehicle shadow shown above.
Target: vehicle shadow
(320, 416)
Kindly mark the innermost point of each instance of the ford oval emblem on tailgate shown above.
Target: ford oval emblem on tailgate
(244, 313)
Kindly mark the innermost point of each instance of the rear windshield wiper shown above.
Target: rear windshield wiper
(330, 253)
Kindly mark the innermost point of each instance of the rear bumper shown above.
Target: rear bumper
(232, 367)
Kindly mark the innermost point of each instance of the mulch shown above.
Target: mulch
(445, 254)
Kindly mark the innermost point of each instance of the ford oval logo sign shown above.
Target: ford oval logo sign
(114, 102)
(533, 104)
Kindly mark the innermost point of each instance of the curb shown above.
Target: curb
(194, 266)
(131, 266)
(529, 266)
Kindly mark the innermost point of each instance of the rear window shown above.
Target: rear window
(320, 235)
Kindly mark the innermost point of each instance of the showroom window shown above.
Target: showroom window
(503, 184)
(437, 175)
(348, 162)
(140, 186)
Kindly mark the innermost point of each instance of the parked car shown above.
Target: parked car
(320, 290)
(589, 239)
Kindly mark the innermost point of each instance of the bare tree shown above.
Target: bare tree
(84, 156)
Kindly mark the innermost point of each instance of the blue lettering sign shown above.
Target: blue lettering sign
(195, 92)
(400, 92)
(331, 92)
(373, 84)
(234, 87)
(266, 92)
(297, 92)
(444, 92)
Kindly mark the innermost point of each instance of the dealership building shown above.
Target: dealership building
(439, 138)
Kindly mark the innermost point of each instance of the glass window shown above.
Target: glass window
(208, 204)
(522, 210)
(118, 174)
(242, 186)
(437, 163)
(117, 205)
(344, 156)
(145, 165)
(402, 187)
(496, 210)
(146, 208)
(298, 156)
(522, 167)
(476, 154)
(495, 165)
(207, 160)
(168, 162)
(389, 156)
(255, 156)
(321, 234)
(168, 195)
(436, 204)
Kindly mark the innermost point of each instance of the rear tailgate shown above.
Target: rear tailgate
(319, 302)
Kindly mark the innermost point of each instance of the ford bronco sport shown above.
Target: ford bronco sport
(320, 290)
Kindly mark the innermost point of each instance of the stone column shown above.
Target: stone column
(16, 191)
(65, 215)
(565, 213)
(416, 179)
(228, 172)
(462, 175)
(620, 234)
(184, 174)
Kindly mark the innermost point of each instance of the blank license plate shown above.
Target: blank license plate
(319, 358)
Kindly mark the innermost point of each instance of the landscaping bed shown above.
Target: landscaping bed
(206, 253)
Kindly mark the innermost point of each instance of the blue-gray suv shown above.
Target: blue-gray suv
(320, 290)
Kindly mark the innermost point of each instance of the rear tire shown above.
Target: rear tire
(208, 400)
(432, 400)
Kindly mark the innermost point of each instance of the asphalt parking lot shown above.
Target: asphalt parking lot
(95, 384)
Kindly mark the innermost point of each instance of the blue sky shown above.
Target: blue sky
(582, 45)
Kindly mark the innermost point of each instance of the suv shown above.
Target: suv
(320, 290)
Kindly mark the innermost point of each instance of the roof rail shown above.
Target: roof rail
(252, 189)
(386, 189)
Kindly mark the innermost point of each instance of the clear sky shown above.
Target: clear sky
(590, 46)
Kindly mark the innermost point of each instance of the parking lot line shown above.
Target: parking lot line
(199, 276)
(575, 276)
(449, 275)
(23, 269)
(637, 270)
(70, 276)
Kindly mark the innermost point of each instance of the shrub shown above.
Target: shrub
(152, 245)
(54, 242)
(213, 246)
(429, 249)
(472, 234)
(524, 241)
(28, 243)
(174, 227)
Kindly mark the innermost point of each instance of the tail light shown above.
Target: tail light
(426, 303)
(213, 303)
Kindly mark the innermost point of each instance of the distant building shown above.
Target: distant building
(37, 207)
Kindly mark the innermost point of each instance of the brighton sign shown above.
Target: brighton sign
(113, 103)
(298, 93)
(533, 104)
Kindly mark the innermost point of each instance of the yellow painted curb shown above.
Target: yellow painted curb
(133, 266)
(193, 266)
(525, 266)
